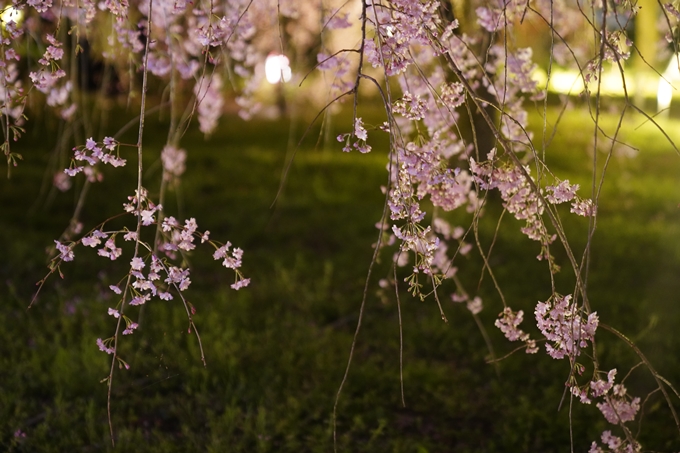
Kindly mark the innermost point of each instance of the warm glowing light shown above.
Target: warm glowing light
(671, 76)
(566, 82)
(11, 14)
(561, 81)
(277, 69)
(610, 83)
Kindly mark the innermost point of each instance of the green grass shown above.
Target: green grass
(277, 351)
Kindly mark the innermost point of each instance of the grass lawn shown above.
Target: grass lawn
(276, 351)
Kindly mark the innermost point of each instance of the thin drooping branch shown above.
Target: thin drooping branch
(401, 336)
(660, 380)
(140, 175)
(506, 145)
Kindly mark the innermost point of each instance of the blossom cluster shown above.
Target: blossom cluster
(474, 305)
(565, 326)
(449, 235)
(361, 136)
(12, 95)
(48, 79)
(150, 274)
(425, 133)
(335, 64)
(500, 14)
(568, 331)
(85, 158)
(513, 71)
(141, 205)
(618, 408)
(404, 24)
(174, 162)
(210, 102)
(338, 66)
(509, 322)
(185, 40)
(459, 49)
(615, 444)
(521, 199)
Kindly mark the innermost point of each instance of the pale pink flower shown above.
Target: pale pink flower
(140, 300)
(412, 107)
(169, 223)
(208, 91)
(509, 324)
(600, 387)
(491, 19)
(137, 263)
(371, 53)
(475, 305)
(453, 95)
(561, 193)
(80, 155)
(242, 283)
(147, 217)
(359, 130)
(130, 329)
(173, 160)
(110, 143)
(103, 347)
(564, 326)
(130, 236)
(582, 393)
(442, 227)
(613, 442)
(190, 226)
(53, 53)
(65, 251)
(110, 250)
(459, 297)
(90, 241)
(142, 284)
(583, 208)
(222, 251)
(61, 181)
(619, 410)
(594, 448)
(178, 276)
(73, 171)
(115, 161)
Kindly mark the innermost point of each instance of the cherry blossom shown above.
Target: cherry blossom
(565, 326)
(65, 251)
(509, 322)
(174, 160)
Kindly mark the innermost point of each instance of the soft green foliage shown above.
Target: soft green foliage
(277, 350)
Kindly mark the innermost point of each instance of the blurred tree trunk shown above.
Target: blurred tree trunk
(646, 40)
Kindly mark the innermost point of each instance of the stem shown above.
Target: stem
(660, 380)
(401, 336)
(139, 216)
